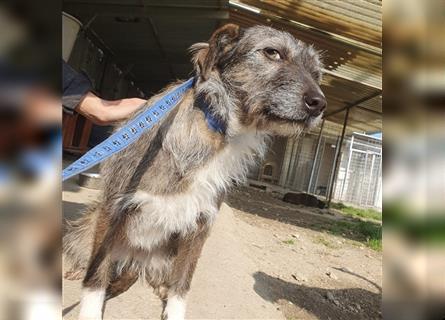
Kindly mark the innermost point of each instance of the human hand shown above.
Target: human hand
(105, 112)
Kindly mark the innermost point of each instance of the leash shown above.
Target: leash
(129, 133)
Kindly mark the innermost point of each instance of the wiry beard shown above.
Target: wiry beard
(288, 128)
(313, 122)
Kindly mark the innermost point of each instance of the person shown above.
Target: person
(77, 96)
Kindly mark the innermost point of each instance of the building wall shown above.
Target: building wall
(273, 160)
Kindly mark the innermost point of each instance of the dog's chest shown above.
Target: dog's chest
(160, 216)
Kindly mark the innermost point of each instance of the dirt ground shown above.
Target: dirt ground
(265, 259)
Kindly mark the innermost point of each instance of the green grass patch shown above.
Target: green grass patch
(290, 241)
(338, 205)
(372, 233)
(375, 244)
(367, 232)
(426, 229)
(358, 212)
(322, 240)
(341, 228)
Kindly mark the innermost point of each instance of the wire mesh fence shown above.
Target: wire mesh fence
(359, 177)
(306, 164)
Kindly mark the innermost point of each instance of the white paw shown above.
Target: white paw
(91, 304)
(175, 309)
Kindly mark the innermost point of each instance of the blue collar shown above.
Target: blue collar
(214, 122)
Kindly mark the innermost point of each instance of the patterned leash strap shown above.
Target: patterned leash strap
(129, 133)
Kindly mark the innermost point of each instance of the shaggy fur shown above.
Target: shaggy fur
(162, 194)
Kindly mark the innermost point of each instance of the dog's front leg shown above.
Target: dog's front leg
(189, 250)
(97, 277)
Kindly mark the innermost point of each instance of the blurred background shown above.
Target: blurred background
(30, 157)
(414, 159)
(413, 143)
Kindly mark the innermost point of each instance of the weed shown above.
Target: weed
(325, 242)
(375, 244)
(338, 205)
(358, 212)
(366, 232)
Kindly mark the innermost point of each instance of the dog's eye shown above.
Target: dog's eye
(272, 54)
(317, 76)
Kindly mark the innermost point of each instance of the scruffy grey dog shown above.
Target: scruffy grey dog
(162, 194)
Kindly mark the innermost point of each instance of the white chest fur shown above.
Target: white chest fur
(160, 216)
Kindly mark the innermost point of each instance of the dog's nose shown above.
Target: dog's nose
(315, 102)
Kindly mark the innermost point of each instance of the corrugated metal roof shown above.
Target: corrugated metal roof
(343, 59)
(356, 20)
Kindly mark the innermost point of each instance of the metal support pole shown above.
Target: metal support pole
(331, 173)
(370, 178)
(348, 166)
(291, 170)
(353, 104)
(377, 188)
(317, 150)
(337, 157)
(286, 162)
(295, 165)
(363, 178)
(322, 147)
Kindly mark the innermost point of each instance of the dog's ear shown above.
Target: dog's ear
(207, 56)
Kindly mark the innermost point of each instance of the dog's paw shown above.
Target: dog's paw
(91, 304)
(175, 309)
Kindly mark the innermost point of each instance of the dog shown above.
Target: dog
(162, 194)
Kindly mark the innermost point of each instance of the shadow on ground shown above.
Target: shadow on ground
(72, 210)
(269, 206)
(70, 186)
(351, 303)
(359, 276)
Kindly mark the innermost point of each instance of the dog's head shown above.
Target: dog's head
(273, 77)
